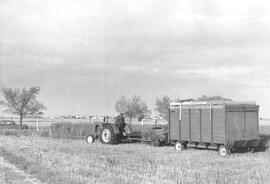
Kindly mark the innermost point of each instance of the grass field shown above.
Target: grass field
(59, 161)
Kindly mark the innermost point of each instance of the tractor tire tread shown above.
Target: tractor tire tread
(114, 137)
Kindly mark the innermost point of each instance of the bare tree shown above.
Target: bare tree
(162, 106)
(22, 102)
(131, 108)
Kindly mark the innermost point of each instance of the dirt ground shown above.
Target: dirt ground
(10, 174)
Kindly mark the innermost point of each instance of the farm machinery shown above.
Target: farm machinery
(225, 126)
(228, 126)
(110, 133)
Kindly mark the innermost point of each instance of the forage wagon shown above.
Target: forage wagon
(225, 125)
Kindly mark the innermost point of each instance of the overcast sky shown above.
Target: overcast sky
(84, 54)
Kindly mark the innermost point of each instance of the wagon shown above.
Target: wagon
(227, 126)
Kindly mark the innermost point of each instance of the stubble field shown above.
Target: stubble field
(74, 161)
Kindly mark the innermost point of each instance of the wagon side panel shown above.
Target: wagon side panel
(195, 125)
(185, 124)
(218, 118)
(205, 126)
(251, 124)
(235, 124)
(174, 124)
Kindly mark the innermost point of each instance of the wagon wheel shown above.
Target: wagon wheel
(180, 146)
(107, 135)
(267, 144)
(252, 150)
(90, 139)
(223, 151)
(156, 142)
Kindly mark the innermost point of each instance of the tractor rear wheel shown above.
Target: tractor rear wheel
(107, 135)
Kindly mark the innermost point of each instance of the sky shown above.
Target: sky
(85, 54)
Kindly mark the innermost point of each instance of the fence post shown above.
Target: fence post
(92, 120)
(142, 121)
(37, 125)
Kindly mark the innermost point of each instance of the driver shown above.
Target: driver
(120, 122)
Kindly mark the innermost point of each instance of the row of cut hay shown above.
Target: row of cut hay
(14, 132)
(66, 130)
(81, 130)
(44, 132)
(71, 130)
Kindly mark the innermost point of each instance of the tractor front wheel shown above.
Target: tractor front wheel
(90, 139)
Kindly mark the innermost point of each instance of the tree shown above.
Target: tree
(22, 102)
(131, 108)
(162, 106)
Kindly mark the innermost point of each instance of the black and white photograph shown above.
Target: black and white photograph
(134, 92)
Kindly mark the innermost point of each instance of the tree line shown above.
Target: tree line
(24, 102)
(136, 107)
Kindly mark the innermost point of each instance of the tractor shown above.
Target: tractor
(109, 133)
